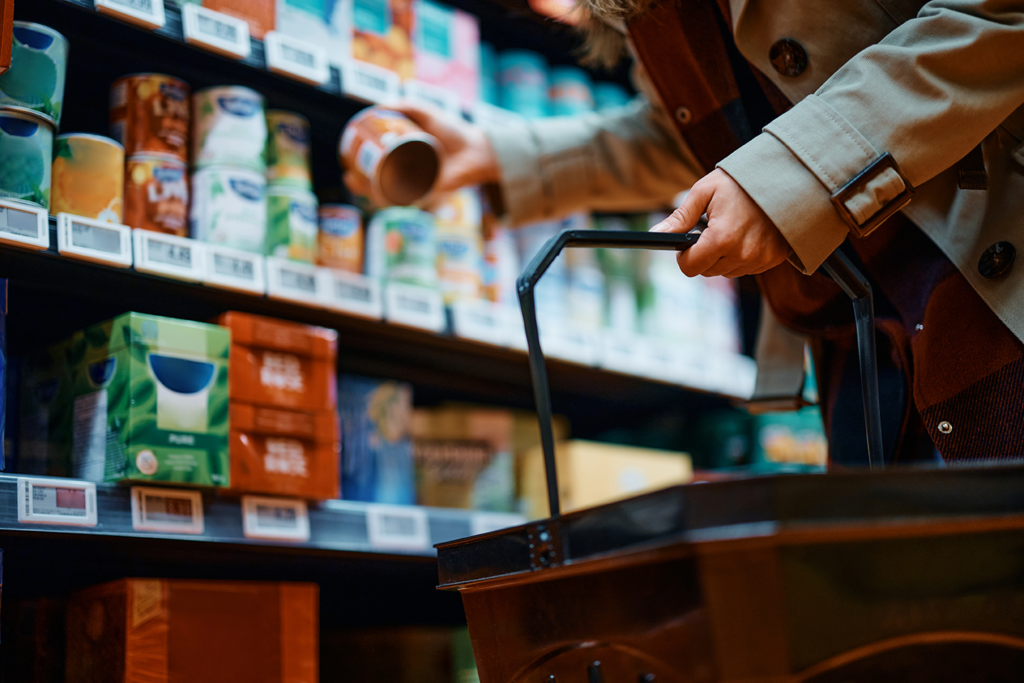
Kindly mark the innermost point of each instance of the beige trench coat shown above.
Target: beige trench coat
(926, 82)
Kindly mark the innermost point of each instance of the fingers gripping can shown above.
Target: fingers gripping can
(398, 160)
(341, 238)
(149, 114)
(156, 194)
(88, 177)
(288, 149)
(291, 223)
(26, 148)
(229, 128)
(39, 58)
(229, 208)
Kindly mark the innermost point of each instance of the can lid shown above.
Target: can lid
(158, 156)
(232, 170)
(27, 114)
(90, 136)
(41, 28)
(231, 88)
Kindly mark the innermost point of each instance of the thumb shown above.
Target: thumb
(686, 217)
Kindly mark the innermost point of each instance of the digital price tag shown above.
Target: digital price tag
(42, 500)
(298, 59)
(397, 527)
(275, 519)
(414, 306)
(731, 374)
(483, 321)
(573, 344)
(369, 82)
(433, 96)
(173, 511)
(24, 225)
(486, 522)
(92, 240)
(147, 13)
(662, 360)
(180, 258)
(216, 32)
(489, 115)
(623, 352)
(293, 281)
(241, 271)
(352, 293)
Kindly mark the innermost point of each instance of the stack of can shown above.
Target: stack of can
(149, 115)
(291, 205)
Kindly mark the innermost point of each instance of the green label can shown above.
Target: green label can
(39, 60)
(401, 245)
(291, 223)
(26, 147)
(229, 208)
(288, 149)
(88, 177)
(230, 128)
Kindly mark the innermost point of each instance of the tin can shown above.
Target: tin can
(392, 154)
(26, 148)
(229, 128)
(39, 60)
(340, 238)
(460, 257)
(88, 177)
(149, 114)
(288, 149)
(156, 194)
(523, 82)
(291, 223)
(401, 245)
(570, 91)
(229, 208)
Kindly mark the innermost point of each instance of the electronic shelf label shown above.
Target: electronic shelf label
(414, 306)
(572, 344)
(296, 58)
(481, 320)
(175, 257)
(275, 519)
(369, 82)
(88, 239)
(353, 293)
(174, 511)
(24, 225)
(294, 281)
(486, 522)
(397, 527)
(215, 31)
(45, 500)
(234, 269)
(433, 96)
(145, 13)
(623, 352)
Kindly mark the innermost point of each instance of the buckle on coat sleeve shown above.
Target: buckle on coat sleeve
(873, 195)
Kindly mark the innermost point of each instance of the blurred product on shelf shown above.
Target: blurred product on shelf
(391, 154)
(608, 95)
(156, 194)
(501, 262)
(489, 75)
(523, 77)
(570, 91)
(150, 398)
(87, 178)
(585, 288)
(551, 293)
(45, 412)
(381, 33)
(401, 246)
(619, 267)
(458, 217)
(292, 223)
(258, 14)
(794, 438)
(404, 654)
(463, 660)
(182, 631)
(149, 115)
(340, 239)
(376, 448)
(229, 208)
(770, 442)
(323, 24)
(5, 382)
(36, 640)
(229, 128)
(288, 149)
(446, 46)
(26, 148)
(39, 58)
(592, 474)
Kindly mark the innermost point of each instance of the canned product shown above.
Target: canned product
(149, 114)
(460, 257)
(288, 149)
(609, 95)
(291, 223)
(229, 128)
(523, 79)
(26, 147)
(392, 154)
(229, 208)
(570, 91)
(340, 238)
(156, 194)
(88, 177)
(39, 59)
(401, 245)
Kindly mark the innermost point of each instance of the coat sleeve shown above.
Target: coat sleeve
(927, 93)
(626, 160)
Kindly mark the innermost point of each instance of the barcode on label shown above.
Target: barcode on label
(141, 5)
(167, 510)
(217, 29)
(371, 81)
(164, 509)
(56, 501)
(398, 525)
(169, 254)
(233, 267)
(484, 319)
(274, 516)
(92, 237)
(345, 290)
(301, 281)
(414, 305)
(20, 223)
(291, 54)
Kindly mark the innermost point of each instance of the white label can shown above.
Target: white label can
(229, 208)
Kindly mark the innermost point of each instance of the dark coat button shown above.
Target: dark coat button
(996, 260)
(788, 57)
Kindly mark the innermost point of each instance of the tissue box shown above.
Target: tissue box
(381, 34)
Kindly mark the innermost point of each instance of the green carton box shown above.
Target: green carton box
(150, 401)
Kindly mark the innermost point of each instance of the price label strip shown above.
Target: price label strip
(216, 32)
(275, 519)
(482, 321)
(369, 82)
(296, 58)
(433, 96)
(352, 293)
(43, 500)
(623, 352)
(92, 240)
(146, 13)
(574, 345)
(24, 225)
(291, 281)
(180, 258)
(414, 306)
(232, 269)
(486, 522)
(396, 527)
(172, 511)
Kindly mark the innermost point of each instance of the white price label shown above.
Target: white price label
(490, 115)
(42, 500)
(433, 96)
(486, 522)
(623, 352)
(218, 32)
(275, 519)
(482, 321)
(369, 82)
(296, 58)
(233, 269)
(414, 306)
(177, 257)
(397, 527)
(352, 293)
(24, 225)
(92, 240)
(292, 281)
(572, 344)
(661, 360)
(167, 510)
(147, 13)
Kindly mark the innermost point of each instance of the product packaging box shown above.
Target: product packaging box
(324, 23)
(285, 452)
(189, 631)
(150, 401)
(446, 47)
(381, 34)
(259, 14)
(45, 414)
(592, 474)
(376, 448)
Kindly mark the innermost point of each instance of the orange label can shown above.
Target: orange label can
(340, 243)
(87, 177)
(156, 195)
(149, 114)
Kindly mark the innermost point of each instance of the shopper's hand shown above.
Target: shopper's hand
(467, 157)
(740, 239)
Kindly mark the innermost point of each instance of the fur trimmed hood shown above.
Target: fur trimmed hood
(603, 29)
